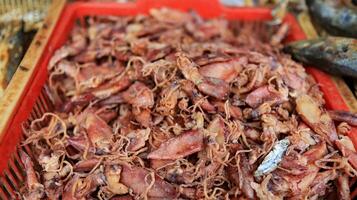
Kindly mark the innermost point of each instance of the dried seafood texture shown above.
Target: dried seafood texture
(172, 106)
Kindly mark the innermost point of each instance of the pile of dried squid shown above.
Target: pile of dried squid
(172, 106)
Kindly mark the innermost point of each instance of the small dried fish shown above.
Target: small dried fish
(271, 161)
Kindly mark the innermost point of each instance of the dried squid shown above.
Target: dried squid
(173, 106)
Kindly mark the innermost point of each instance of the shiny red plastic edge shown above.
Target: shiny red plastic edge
(208, 9)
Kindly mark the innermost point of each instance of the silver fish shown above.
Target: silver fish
(274, 157)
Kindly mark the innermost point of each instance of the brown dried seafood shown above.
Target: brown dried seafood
(171, 106)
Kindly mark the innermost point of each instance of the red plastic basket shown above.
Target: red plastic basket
(34, 101)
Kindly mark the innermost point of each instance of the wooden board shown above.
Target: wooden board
(25, 71)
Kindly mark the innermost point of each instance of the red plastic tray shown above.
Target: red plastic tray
(33, 102)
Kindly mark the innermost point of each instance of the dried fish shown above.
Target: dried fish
(274, 157)
(335, 17)
(334, 55)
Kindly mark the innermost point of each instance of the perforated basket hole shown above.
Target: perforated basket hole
(5, 193)
(13, 178)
